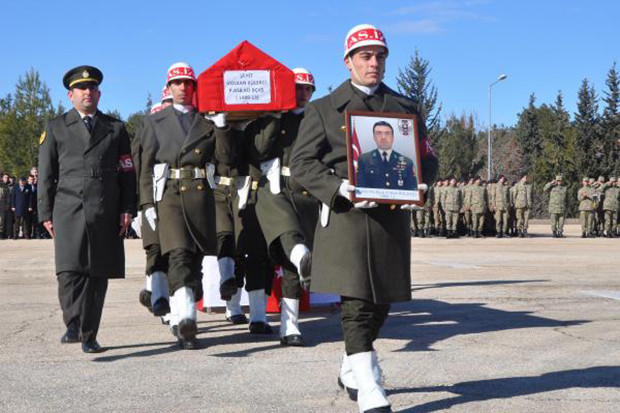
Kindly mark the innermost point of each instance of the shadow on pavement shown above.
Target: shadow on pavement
(426, 322)
(504, 388)
(420, 287)
(421, 323)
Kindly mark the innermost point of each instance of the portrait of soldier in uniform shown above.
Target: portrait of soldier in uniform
(384, 167)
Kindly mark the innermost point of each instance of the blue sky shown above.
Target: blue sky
(543, 46)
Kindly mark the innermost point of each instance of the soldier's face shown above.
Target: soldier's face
(384, 137)
(85, 97)
(182, 91)
(367, 65)
(303, 94)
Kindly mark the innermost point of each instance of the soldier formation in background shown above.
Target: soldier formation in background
(479, 208)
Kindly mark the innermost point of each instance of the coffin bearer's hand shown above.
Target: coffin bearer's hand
(151, 217)
(219, 119)
(345, 189)
(49, 227)
(422, 187)
(365, 204)
(125, 222)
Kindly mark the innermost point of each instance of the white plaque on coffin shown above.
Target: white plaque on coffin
(247, 87)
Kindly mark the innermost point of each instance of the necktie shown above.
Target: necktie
(385, 157)
(88, 121)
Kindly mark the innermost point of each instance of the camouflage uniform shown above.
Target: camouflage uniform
(467, 214)
(557, 205)
(586, 196)
(523, 204)
(438, 213)
(610, 206)
(452, 202)
(501, 203)
(599, 212)
(428, 210)
(477, 200)
(417, 221)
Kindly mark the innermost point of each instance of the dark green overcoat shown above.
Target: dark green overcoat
(86, 181)
(361, 253)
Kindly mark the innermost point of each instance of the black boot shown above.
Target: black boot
(423, 233)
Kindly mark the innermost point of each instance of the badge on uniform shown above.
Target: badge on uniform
(42, 138)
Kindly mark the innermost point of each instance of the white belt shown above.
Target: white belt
(195, 173)
(223, 180)
(285, 171)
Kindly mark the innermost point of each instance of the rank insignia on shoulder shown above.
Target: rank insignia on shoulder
(42, 138)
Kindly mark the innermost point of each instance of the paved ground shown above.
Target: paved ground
(510, 325)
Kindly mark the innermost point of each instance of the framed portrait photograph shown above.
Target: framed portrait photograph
(384, 157)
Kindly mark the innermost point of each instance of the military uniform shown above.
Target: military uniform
(452, 203)
(376, 169)
(523, 205)
(428, 210)
(156, 265)
(438, 213)
(183, 144)
(598, 222)
(288, 217)
(611, 204)
(557, 205)
(86, 181)
(585, 196)
(501, 205)
(363, 254)
(477, 201)
(467, 214)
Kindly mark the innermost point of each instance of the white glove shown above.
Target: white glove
(345, 189)
(422, 187)
(365, 204)
(409, 207)
(219, 119)
(151, 217)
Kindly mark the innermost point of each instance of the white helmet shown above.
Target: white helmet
(303, 77)
(363, 35)
(180, 70)
(165, 94)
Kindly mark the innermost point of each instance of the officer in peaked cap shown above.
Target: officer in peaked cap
(82, 75)
(86, 197)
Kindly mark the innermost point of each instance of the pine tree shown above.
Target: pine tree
(414, 82)
(588, 148)
(458, 149)
(528, 134)
(610, 123)
(23, 124)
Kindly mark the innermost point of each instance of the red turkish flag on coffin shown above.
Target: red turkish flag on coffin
(246, 80)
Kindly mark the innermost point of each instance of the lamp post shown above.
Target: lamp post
(489, 162)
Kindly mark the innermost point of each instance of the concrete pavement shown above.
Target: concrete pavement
(496, 325)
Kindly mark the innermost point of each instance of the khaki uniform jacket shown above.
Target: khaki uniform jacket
(585, 196)
(523, 195)
(453, 199)
(501, 197)
(86, 181)
(557, 197)
(186, 213)
(361, 253)
(478, 199)
(611, 198)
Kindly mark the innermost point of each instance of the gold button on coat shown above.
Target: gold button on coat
(197, 151)
(200, 187)
(183, 188)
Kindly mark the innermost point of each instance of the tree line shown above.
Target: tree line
(546, 140)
